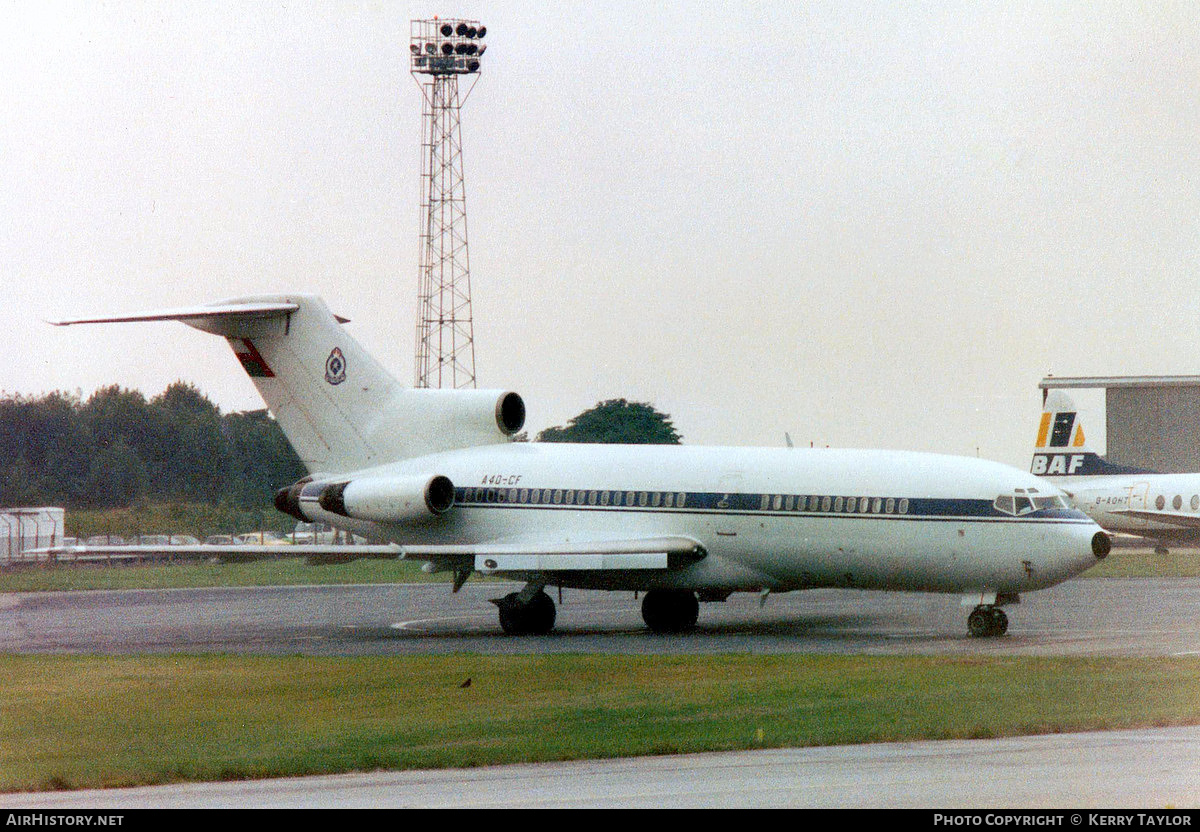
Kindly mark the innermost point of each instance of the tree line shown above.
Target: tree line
(117, 448)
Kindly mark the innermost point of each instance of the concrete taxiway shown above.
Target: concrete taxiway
(1125, 617)
(1153, 769)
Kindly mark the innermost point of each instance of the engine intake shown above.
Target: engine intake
(389, 499)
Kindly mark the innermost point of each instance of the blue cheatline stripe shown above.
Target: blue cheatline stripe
(795, 505)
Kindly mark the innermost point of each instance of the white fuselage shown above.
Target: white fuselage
(775, 519)
(1112, 500)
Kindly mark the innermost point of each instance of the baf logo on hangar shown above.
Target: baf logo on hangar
(335, 367)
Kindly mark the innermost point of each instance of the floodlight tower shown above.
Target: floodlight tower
(442, 50)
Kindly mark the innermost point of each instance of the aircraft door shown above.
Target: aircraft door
(1139, 500)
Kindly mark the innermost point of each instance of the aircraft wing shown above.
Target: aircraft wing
(1185, 521)
(487, 558)
(226, 553)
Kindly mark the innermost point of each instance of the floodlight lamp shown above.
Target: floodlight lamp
(471, 49)
(471, 31)
(447, 48)
(472, 66)
(416, 50)
(447, 30)
(482, 49)
(461, 31)
(430, 48)
(482, 31)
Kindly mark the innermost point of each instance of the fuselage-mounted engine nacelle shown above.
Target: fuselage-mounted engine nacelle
(287, 500)
(389, 499)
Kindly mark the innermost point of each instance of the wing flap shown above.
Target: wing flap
(548, 556)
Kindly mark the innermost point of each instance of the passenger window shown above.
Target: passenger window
(1160, 502)
(838, 503)
(904, 506)
(1195, 502)
(1177, 503)
(890, 506)
(877, 505)
(825, 503)
(679, 499)
(777, 503)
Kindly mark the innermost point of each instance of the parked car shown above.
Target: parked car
(260, 539)
(184, 540)
(220, 540)
(311, 533)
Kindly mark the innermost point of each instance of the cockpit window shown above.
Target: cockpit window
(1024, 503)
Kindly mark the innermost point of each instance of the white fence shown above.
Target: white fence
(22, 529)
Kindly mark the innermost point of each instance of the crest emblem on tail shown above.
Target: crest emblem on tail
(335, 367)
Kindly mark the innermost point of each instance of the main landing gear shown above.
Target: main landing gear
(529, 612)
(670, 610)
(986, 621)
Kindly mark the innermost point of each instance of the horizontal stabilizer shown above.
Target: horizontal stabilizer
(190, 313)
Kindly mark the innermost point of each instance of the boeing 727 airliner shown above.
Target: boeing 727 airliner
(435, 473)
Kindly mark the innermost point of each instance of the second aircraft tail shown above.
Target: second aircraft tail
(1061, 449)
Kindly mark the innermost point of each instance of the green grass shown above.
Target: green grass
(289, 572)
(1143, 563)
(71, 722)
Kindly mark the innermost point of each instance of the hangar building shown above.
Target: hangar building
(1152, 421)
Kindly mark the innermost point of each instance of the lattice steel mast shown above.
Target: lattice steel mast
(442, 50)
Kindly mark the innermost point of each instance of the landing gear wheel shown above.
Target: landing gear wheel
(999, 622)
(535, 618)
(985, 622)
(670, 610)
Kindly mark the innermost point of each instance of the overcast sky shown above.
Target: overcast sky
(862, 224)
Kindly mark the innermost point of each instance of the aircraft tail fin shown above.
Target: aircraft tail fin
(1061, 448)
(339, 408)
